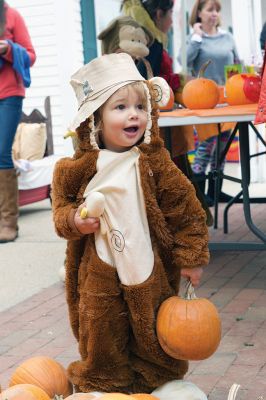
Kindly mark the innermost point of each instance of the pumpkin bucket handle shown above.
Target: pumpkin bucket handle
(190, 292)
(233, 391)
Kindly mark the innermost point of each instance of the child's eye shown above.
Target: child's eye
(140, 106)
(120, 107)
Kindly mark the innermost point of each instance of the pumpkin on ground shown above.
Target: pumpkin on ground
(188, 328)
(44, 372)
(115, 396)
(24, 392)
(243, 89)
(144, 396)
(201, 93)
(81, 396)
(179, 389)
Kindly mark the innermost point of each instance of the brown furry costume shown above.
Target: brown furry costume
(115, 324)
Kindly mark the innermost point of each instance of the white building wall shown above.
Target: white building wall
(102, 18)
(55, 30)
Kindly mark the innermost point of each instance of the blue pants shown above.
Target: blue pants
(10, 114)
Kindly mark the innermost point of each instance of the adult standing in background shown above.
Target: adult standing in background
(209, 42)
(16, 56)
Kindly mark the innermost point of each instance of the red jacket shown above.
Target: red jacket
(261, 110)
(10, 82)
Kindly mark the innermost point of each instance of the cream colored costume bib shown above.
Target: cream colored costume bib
(123, 240)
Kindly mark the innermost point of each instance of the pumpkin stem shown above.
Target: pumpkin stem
(233, 391)
(190, 292)
(203, 68)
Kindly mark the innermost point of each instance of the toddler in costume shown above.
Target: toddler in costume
(125, 261)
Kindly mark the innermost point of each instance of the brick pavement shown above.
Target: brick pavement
(234, 281)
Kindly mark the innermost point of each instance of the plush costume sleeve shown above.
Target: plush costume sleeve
(184, 215)
(66, 197)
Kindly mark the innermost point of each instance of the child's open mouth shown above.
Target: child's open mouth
(131, 129)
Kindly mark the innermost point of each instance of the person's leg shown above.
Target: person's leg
(203, 156)
(10, 114)
(182, 162)
(223, 197)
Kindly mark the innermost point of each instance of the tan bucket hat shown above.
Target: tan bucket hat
(98, 80)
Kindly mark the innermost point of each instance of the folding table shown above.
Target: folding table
(243, 117)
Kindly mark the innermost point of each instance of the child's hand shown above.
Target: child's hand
(85, 225)
(192, 274)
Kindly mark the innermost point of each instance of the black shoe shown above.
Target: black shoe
(224, 198)
(209, 200)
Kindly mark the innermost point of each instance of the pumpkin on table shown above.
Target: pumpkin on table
(243, 89)
(44, 372)
(201, 93)
(188, 328)
(164, 95)
(171, 102)
(24, 392)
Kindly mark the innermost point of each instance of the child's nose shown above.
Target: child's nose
(133, 113)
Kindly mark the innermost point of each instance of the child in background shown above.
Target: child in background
(122, 264)
(209, 41)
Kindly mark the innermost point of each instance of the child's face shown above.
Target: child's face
(163, 20)
(124, 120)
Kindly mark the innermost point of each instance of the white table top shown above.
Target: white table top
(193, 120)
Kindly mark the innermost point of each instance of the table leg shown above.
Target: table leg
(217, 177)
(245, 172)
(245, 181)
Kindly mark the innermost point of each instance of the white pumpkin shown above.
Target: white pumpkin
(179, 389)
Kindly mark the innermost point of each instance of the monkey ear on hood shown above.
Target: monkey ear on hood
(162, 90)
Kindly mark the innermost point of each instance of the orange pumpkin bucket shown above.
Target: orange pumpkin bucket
(188, 328)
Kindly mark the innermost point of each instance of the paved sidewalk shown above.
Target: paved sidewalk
(234, 281)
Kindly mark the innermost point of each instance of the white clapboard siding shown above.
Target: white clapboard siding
(56, 32)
